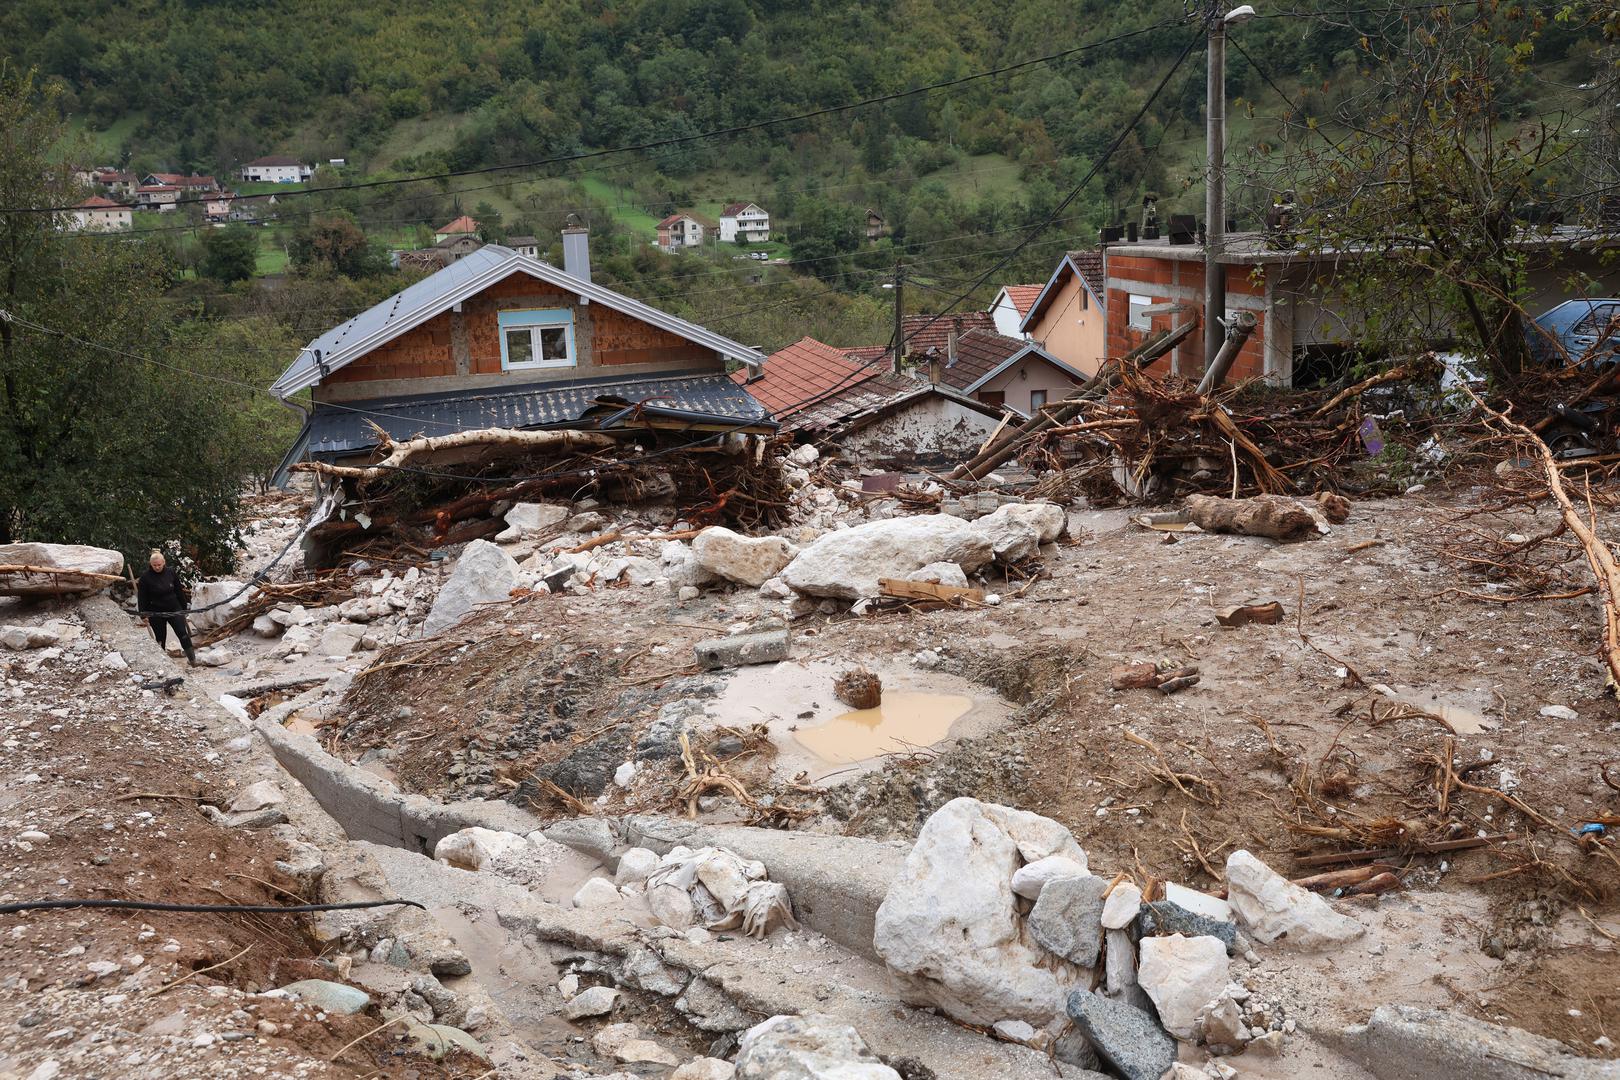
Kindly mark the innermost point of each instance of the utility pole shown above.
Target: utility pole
(1215, 180)
(899, 318)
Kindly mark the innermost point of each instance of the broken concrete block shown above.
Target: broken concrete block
(635, 866)
(1220, 1025)
(1201, 903)
(1400, 1042)
(1125, 1037)
(1163, 917)
(266, 627)
(1181, 975)
(747, 560)
(738, 650)
(1273, 909)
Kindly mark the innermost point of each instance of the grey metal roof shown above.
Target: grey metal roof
(460, 280)
(338, 429)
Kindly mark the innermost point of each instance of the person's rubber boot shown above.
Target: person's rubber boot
(191, 655)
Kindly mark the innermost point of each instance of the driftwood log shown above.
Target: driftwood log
(401, 452)
(1275, 516)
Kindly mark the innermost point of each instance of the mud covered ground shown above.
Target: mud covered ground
(99, 788)
(1325, 732)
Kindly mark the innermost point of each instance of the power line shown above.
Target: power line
(1119, 139)
(679, 140)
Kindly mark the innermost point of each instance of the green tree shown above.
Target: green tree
(229, 254)
(106, 436)
(334, 243)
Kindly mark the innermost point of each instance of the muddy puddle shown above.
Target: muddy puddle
(904, 721)
(816, 734)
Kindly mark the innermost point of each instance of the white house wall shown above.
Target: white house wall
(934, 426)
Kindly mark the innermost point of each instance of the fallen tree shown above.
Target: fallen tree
(399, 453)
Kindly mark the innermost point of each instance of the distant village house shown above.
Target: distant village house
(744, 223)
(159, 197)
(1010, 306)
(678, 231)
(524, 245)
(1068, 318)
(101, 214)
(276, 169)
(876, 229)
(461, 226)
(193, 182)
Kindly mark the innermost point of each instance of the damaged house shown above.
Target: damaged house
(833, 396)
(499, 342)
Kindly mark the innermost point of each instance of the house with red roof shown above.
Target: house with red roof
(680, 230)
(1068, 318)
(819, 392)
(193, 182)
(461, 226)
(102, 214)
(1004, 372)
(1010, 306)
(160, 197)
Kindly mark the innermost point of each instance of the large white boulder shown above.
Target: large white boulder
(80, 557)
(27, 637)
(1182, 975)
(807, 1047)
(483, 575)
(681, 566)
(1271, 909)
(847, 564)
(476, 848)
(1016, 531)
(229, 595)
(747, 560)
(950, 927)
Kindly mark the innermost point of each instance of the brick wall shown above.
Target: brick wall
(417, 354)
(1182, 282)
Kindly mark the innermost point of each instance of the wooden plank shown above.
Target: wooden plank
(927, 590)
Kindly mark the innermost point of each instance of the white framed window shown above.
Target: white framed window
(1037, 399)
(1138, 308)
(537, 339)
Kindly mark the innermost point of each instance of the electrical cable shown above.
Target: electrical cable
(1073, 194)
(153, 905)
(679, 140)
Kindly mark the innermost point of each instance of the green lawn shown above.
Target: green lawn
(631, 217)
(263, 187)
(980, 176)
(272, 253)
(105, 146)
(418, 135)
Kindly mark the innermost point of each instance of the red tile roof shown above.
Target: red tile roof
(1022, 296)
(462, 224)
(96, 202)
(978, 353)
(183, 181)
(1090, 264)
(800, 375)
(733, 209)
(934, 332)
(870, 355)
(677, 216)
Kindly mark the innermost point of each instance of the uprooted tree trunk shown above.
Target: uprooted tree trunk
(1276, 516)
(1598, 554)
(401, 452)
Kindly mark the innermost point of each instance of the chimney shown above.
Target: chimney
(577, 252)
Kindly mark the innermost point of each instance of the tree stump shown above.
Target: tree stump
(859, 689)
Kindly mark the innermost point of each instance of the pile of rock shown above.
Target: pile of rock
(997, 920)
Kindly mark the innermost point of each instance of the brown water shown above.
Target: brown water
(903, 722)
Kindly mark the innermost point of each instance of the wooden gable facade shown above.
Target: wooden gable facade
(462, 348)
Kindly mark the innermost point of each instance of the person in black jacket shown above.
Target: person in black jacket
(161, 601)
